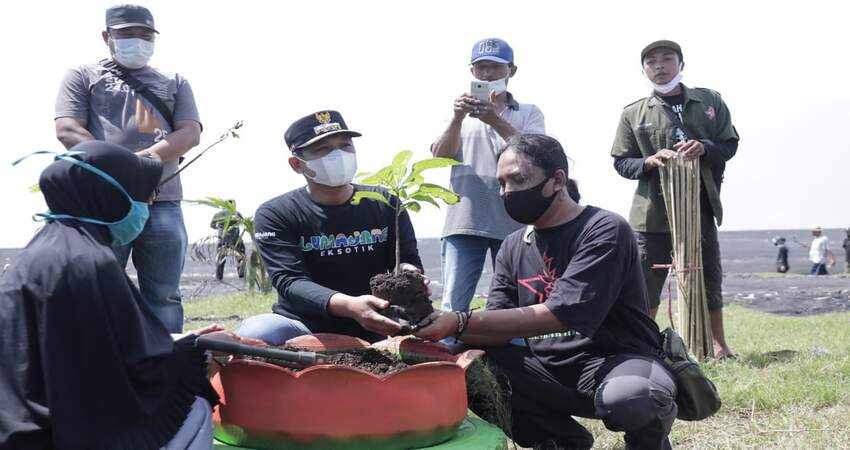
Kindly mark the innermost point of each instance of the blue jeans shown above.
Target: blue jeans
(463, 260)
(196, 433)
(271, 328)
(819, 269)
(158, 255)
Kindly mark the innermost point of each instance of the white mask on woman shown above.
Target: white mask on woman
(335, 169)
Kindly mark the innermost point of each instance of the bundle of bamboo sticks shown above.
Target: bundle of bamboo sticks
(680, 184)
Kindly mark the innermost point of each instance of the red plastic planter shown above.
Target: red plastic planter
(331, 406)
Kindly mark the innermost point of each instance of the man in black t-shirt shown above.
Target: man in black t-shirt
(571, 285)
(320, 250)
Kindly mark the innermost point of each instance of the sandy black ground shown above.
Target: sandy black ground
(789, 294)
(748, 259)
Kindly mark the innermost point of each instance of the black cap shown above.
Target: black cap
(662, 43)
(126, 16)
(315, 127)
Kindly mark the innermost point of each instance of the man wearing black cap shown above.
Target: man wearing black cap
(122, 100)
(675, 121)
(320, 250)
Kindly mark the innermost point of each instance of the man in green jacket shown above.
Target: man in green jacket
(675, 121)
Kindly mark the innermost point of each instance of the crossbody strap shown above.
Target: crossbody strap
(678, 122)
(140, 89)
(528, 238)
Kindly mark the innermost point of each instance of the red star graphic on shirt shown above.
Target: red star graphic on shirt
(541, 285)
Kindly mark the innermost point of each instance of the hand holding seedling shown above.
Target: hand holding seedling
(441, 324)
(406, 289)
(364, 309)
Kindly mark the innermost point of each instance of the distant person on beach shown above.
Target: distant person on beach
(476, 131)
(320, 250)
(570, 286)
(782, 256)
(819, 253)
(86, 363)
(675, 121)
(846, 246)
(123, 100)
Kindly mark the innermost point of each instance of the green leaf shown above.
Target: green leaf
(399, 166)
(432, 163)
(402, 158)
(371, 195)
(413, 180)
(379, 178)
(434, 190)
(425, 198)
(412, 206)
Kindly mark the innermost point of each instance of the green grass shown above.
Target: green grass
(789, 388)
(226, 310)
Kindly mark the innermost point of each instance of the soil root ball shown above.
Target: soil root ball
(407, 294)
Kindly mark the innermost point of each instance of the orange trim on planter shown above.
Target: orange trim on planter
(339, 402)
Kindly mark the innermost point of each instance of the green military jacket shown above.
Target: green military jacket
(645, 128)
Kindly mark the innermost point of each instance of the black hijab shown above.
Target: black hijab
(85, 363)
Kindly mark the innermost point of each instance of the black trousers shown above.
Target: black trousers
(630, 393)
(657, 248)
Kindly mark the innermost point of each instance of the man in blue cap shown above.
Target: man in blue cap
(474, 135)
(122, 100)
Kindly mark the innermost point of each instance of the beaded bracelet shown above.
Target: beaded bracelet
(462, 321)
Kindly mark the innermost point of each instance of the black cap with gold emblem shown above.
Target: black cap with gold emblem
(315, 127)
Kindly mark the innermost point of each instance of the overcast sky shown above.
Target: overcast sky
(393, 68)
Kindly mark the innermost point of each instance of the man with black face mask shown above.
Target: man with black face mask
(570, 284)
(122, 100)
(320, 250)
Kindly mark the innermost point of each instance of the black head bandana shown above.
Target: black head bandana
(86, 364)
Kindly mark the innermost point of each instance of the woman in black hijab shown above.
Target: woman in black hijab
(85, 365)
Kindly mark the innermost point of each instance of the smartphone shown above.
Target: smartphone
(480, 90)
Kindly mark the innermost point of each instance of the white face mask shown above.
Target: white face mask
(498, 86)
(132, 53)
(335, 169)
(668, 86)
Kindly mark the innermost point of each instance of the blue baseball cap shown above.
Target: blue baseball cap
(492, 49)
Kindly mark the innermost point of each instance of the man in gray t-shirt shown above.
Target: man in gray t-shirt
(95, 103)
(476, 132)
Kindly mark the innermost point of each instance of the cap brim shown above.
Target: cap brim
(490, 58)
(322, 136)
(128, 25)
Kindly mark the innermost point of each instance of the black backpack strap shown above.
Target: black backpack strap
(140, 89)
(676, 121)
